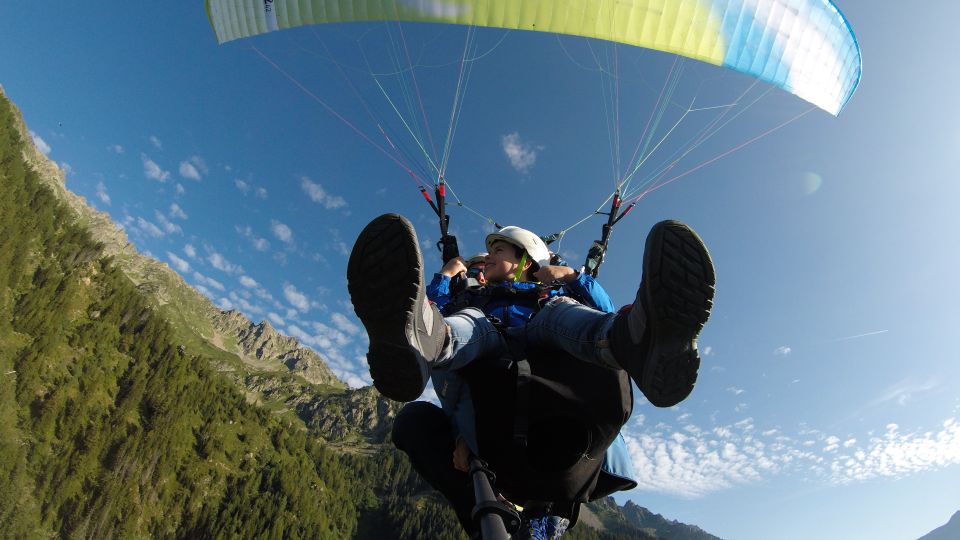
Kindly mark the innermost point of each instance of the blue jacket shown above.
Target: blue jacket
(585, 289)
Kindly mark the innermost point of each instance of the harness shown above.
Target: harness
(564, 414)
(470, 293)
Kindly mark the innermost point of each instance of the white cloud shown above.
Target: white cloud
(190, 251)
(904, 391)
(345, 324)
(329, 343)
(224, 304)
(207, 281)
(189, 171)
(259, 244)
(265, 295)
(193, 168)
(281, 231)
(695, 465)
(179, 264)
(154, 171)
(102, 193)
(204, 291)
(782, 351)
(115, 148)
(200, 164)
(299, 333)
(177, 212)
(522, 155)
(692, 462)
(244, 304)
(276, 319)
(149, 228)
(168, 226)
(707, 351)
(221, 263)
(337, 244)
(896, 455)
(179, 189)
(67, 168)
(41, 144)
(248, 282)
(352, 379)
(296, 298)
(833, 443)
(735, 391)
(242, 186)
(320, 196)
(261, 193)
(156, 142)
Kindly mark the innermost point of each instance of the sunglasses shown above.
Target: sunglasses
(474, 272)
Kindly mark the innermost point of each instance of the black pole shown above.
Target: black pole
(493, 515)
(448, 243)
(598, 250)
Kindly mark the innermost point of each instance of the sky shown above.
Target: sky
(826, 405)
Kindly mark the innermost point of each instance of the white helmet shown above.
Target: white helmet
(536, 250)
(476, 259)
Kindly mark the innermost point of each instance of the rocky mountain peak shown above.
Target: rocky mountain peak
(645, 519)
(262, 346)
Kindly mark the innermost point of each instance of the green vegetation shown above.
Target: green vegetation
(108, 429)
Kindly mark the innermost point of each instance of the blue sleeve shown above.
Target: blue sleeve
(588, 290)
(438, 291)
(616, 461)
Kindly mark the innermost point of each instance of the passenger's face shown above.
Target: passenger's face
(477, 270)
(501, 263)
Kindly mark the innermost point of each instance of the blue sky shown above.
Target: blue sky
(827, 402)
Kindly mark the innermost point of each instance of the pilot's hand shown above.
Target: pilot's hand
(549, 274)
(453, 267)
(461, 455)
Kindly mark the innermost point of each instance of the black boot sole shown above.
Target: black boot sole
(384, 278)
(679, 282)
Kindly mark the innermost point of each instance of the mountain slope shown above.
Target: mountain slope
(949, 531)
(109, 428)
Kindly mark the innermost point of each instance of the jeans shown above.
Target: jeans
(562, 323)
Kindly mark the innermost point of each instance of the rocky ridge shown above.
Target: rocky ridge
(643, 518)
(263, 346)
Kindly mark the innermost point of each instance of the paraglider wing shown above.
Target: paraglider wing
(805, 47)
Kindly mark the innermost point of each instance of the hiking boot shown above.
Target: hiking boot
(656, 340)
(385, 280)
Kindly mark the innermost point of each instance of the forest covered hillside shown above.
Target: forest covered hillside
(132, 407)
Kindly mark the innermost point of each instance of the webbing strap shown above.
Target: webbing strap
(519, 272)
(521, 421)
